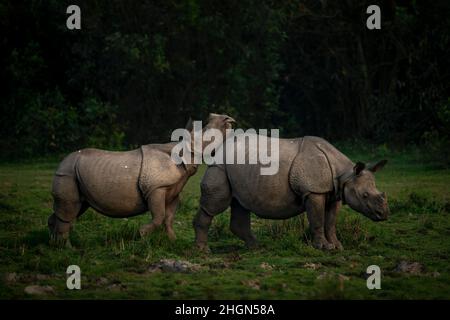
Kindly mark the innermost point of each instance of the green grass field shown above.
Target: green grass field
(114, 260)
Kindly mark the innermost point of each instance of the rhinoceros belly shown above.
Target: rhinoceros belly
(109, 181)
(268, 196)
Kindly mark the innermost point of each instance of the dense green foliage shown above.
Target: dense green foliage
(138, 69)
(114, 260)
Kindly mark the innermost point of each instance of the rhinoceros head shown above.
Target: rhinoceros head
(220, 122)
(361, 194)
(216, 122)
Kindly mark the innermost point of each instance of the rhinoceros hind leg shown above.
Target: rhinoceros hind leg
(240, 224)
(60, 227)
(171, 208)
(59, 231)
(67, 206)
(157, 206)
(315, 209)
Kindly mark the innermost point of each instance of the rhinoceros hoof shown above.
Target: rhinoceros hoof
(252, 245)
(203, 248)
(338, 246)
(323, 245)
(60, 240)
(145, 229)
(172, 237)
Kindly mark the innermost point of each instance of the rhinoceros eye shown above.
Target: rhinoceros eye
(365, 194)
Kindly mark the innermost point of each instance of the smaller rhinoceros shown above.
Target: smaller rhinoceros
(313, 176)
(124, 184)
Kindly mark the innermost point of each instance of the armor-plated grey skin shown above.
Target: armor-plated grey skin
(123, 184)
(313, 176)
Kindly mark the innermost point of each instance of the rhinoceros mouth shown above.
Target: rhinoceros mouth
(380, 215)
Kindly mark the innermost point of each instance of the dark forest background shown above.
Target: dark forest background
(139, 69)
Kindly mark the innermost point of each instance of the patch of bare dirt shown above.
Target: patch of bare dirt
(171, 265)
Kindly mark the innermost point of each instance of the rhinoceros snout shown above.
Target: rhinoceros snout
(382, 215)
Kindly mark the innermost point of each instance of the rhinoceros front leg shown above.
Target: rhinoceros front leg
(202, 222)
(330, 224)
(215, 198)
(171, 208)
(157, 207)
(315, 209)
(240, 224)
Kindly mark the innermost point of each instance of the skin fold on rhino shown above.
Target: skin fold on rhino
(313, 176)
(123, 184)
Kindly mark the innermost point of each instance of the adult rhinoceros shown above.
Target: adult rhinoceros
(313, 176)
(123, 184)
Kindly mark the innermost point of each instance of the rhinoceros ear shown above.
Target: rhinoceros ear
(358, 168)
(189, 125)
(229, 122)
(229, 119)
(378, 166)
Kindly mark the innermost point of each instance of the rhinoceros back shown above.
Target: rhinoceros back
(109, 181)
(268, 196)
(67, 166)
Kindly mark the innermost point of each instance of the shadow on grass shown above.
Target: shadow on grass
(227, 248)
(36, 238)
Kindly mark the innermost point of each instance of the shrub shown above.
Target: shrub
(99, 125)
(49, 125)
(419, 203)
(46, 125)
(437, 140)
